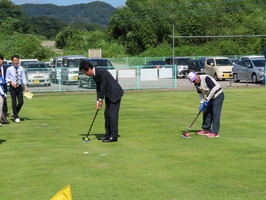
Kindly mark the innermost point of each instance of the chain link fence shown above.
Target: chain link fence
(64, 79)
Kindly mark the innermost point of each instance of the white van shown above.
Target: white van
(72, 60)
(56, 64)
(219, 68)
(22, 62)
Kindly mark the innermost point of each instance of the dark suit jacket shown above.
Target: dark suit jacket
(107, 86)
(5, 66)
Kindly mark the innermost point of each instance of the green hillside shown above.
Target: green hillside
(94, 12)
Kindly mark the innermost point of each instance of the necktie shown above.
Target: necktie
(17, 76)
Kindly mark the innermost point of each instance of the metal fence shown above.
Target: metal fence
(130, 72)
(135, 61)
(70, 79)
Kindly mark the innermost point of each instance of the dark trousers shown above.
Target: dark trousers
(5, 107)
(211, 118)
(111, 113)
(17, 99)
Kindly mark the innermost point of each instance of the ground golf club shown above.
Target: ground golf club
(185, 133)
(87, 139)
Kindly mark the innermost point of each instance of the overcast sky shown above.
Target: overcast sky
(114, 3)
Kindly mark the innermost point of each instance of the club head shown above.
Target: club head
(185, 134)
(85, 139)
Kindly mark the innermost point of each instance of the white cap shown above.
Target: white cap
(191, 76)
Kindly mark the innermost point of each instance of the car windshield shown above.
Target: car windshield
(182, 61)
(99, 63)
(159, 62)
(36, 67)
(23, 63)
(223, 62)
(259, 63)
(74, 62)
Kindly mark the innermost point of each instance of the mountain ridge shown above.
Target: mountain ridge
(94, 12)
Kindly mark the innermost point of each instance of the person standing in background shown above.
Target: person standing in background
(2, 96)
(3, 75)
(16, 77)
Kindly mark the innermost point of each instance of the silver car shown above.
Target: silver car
(181, 63)
(87, 81)
(37, 74)
(249, 69)
(69, 75)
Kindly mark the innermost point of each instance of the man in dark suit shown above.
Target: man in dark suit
(109, 89)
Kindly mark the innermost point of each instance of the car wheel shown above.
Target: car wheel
(254, 78)
(216, 77)
(235, 78)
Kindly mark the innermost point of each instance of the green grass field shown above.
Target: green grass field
(44, 152)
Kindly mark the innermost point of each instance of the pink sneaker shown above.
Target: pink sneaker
(203, 133)
(212, 135)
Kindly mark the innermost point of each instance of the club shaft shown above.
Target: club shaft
(92, 122)
(194, 121)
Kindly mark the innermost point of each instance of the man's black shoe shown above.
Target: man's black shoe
(103, 138)
(111, 139)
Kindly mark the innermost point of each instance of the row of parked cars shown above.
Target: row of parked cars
(66, 69)
(247, 68)
(60, 69)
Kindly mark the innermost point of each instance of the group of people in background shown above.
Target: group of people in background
(14, 78)
(108, 89)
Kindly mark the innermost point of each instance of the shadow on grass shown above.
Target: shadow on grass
(21, 119)
(2, 141)
(191, 131)
(97, 135)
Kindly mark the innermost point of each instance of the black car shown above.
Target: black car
(155, 64)
(197, 66)
(84, 80)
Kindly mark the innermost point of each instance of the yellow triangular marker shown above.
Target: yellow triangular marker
(63, 194)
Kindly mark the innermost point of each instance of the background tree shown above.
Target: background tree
(132, 25)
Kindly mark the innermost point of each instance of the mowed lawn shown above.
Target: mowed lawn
(44, 152)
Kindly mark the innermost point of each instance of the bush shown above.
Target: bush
(25, 45)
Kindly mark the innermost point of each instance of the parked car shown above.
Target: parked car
(197, 66)
(69, 75)
(47, 64)
(72, 60)
(155, 64)
(181, 63)
(220, 68)
(22, 62)
(56, 64)
(37, 74)
(249, 69)
(234, 60)
(89, 81)
(249, 57)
